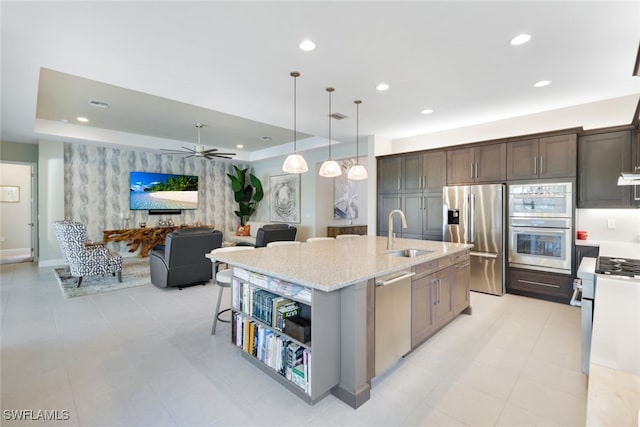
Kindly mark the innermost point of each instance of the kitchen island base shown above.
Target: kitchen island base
(336, 353)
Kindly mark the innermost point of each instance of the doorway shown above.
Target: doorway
(17, 212)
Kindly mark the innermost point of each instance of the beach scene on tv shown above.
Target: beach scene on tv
(163, 191)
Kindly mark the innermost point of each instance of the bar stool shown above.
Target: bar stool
(317, 239)
(346, 236)
(282, 243)
(222, 279)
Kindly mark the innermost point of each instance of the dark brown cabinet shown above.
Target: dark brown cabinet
(389, 169)
(336, 230)
(541, 285)
(550, 157)
(485, 163)
(601, 159)
(417, 191)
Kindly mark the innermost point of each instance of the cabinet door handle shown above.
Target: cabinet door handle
(535, 165)
(476, 169)
(581, 185)
(636, 188)
(529, 282)
(398, 183)
(471, 170)
(541, 165)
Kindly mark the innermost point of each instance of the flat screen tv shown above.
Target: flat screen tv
(162, 191)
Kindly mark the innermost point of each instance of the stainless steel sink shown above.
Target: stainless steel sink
(410, 253)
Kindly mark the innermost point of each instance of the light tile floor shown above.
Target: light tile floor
(144, 357)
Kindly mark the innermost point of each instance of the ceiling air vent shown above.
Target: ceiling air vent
(338, 116)
(100, 104)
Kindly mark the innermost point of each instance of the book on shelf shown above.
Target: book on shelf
(287, 358)
(287, 310)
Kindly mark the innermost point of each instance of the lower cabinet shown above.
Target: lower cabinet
(439, 292)
(542, 285)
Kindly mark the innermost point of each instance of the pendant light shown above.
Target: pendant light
(330, 168)
(294, 163)
(357, 171)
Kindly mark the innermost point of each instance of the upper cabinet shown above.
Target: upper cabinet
(601, 158)
(389, 175)
(484, 163)
(413, 183)
(550, 157)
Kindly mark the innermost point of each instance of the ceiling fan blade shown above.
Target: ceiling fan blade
(191, 150)
(221, 154)
(212, 156)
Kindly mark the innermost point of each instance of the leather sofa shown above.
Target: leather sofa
(181, 260)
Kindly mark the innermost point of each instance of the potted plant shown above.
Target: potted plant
(246, 194)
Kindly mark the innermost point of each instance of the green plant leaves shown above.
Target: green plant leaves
(247, 196)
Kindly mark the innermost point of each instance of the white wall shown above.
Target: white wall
(316, 204)
(597, 222)
(15, 231)
(50, 199)
(611, 112)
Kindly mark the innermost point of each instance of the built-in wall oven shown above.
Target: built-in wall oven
(541, 226)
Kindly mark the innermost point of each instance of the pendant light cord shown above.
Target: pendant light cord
(295, 76)
(357, 102)
(330, 89)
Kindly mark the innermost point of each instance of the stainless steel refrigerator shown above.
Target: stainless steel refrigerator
(475, 214)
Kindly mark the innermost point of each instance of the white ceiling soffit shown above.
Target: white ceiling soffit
(227, 64)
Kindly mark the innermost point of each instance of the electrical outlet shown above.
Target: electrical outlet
(611, 224)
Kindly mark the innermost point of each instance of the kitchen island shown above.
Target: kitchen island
(333, 283)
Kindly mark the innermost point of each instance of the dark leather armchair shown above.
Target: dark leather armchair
(275, 233)
(181, 260)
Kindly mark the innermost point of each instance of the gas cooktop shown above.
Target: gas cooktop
(618, 266)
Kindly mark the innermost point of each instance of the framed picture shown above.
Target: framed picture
(9, 193)
(345, 193)
(284, 198)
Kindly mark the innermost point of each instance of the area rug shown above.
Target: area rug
(135, 272)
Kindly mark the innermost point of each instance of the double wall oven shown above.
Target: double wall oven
(541, 226)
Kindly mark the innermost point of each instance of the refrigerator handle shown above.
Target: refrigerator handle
(472, 219)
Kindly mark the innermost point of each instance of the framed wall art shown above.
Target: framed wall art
(284, 198)
(345, 193)
(9, 193)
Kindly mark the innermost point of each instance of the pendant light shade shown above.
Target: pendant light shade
(294, 163)
(330, 168)
(357, 171)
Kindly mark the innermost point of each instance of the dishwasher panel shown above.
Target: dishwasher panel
(392, 319)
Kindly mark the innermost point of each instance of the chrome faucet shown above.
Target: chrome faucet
(404, 225)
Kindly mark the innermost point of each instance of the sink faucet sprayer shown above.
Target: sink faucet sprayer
(404, 225)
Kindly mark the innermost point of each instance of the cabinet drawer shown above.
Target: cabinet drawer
(548, 286)
(433, 266)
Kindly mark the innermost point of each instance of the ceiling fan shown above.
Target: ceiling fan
(199, 151)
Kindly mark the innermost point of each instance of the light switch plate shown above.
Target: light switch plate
(611, 224)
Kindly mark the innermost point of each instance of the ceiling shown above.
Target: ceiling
(163, 66)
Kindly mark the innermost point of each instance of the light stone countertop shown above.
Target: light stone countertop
(329, 265)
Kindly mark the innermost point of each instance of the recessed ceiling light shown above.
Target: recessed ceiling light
(542, 83)
(427, 111)
(82, 119)
(520, 39)
(382, 87)
(307, 45)
(239, 146)
(265, 138)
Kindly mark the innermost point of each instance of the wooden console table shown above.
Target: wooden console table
(333, 231)
(143, 238)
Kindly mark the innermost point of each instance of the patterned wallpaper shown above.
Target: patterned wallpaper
(96, 187)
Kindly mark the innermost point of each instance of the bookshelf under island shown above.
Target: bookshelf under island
(305, 314)
(263, 307)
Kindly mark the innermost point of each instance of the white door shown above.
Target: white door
(17, 212)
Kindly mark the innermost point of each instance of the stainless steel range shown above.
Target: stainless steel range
(585, 292)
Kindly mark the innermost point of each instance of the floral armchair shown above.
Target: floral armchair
(85, 258)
